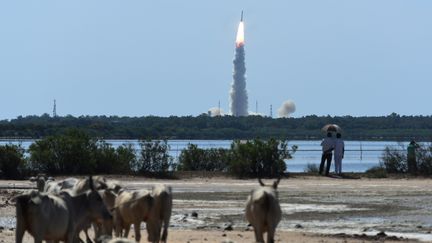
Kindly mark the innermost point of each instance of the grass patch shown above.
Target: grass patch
(376, 172)
(311, 168)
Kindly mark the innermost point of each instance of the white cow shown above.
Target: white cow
(263, 211)
(160, 214)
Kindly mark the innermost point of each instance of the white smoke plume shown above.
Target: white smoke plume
(215, 111)
(253, 113)
(239, 97)
(287, 108)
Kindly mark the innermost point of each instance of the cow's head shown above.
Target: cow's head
(40, 180)
(275, 183)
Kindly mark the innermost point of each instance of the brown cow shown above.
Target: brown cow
(160, 214)
(131, 208)
(106, 228)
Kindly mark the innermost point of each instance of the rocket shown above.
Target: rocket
(241, 18)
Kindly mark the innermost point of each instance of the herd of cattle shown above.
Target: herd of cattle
(61, 210)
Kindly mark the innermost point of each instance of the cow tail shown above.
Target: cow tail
(266, 202)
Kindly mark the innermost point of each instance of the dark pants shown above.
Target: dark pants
(324, 157)
(412, 164)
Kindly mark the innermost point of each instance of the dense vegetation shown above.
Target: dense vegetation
(12, 161)
(244, 159)
(392, 127)
(394, 160)
(76, 153)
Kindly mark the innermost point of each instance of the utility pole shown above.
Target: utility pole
(55, 109)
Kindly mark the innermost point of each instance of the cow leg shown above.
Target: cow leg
(88, 240)
(19, 231)
(137, 232)
(270, 234)
(97, 229)
(37, 238)
(158, 231)
(118, 229)
(259, 234)
(108, 228)
(152, 231)
(165, 231)
(164, 234)
(126, 229)
(72, 238)
(38, 232)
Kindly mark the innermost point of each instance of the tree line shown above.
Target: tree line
(391, 127)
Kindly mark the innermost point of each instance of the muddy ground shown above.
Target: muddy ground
(315, 209)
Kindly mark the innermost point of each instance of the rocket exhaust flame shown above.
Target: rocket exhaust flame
(240, 35)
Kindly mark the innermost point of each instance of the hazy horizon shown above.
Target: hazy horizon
(136, 58)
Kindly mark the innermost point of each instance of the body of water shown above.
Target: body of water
(359, 155)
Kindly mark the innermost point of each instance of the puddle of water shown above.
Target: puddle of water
(415, 236)
(410, 235)
(7, 222)
(182, 221)
(291, 208)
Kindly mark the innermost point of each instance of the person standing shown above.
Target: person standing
(327, 145)
(411, 157)
(339, 151)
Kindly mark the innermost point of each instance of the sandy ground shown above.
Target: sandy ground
(195, 236)
(316, 209)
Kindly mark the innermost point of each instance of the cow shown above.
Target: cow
(57, 217)
(49, 185)
(131, 208)
(41, 181)
(160, 214)
(114, 186)
(263, 211)
(108, 196)
(83, 185)
(108, 191)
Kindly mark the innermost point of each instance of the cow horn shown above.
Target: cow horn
(91, 185)
(260, 182)
(276, 183)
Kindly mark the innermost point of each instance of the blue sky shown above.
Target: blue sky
(164, 58)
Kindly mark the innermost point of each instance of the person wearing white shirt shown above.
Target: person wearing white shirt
(327, 145)
(339, 151)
